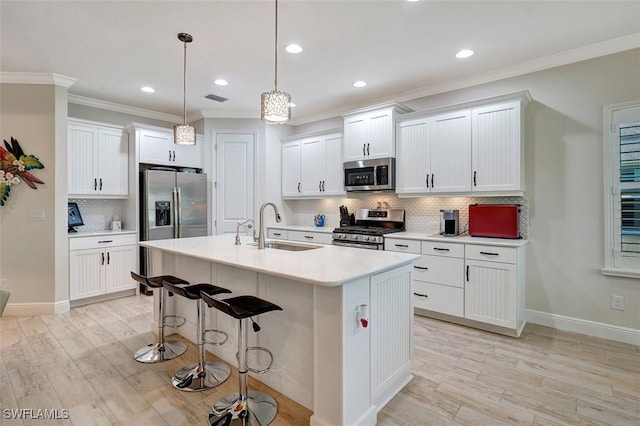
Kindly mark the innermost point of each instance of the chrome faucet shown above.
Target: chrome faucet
(248, 222)
(260, 237)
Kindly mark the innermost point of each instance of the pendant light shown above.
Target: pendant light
(275, 106)
(183, 134)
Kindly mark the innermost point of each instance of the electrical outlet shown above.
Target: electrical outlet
(617, 302)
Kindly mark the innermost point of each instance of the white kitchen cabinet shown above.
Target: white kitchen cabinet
(497, 145)
(434, 154)
(494, 285)
(97, 160)
(312, 166)
(370, 133)
(481, 285)
(101, 265)
(157, 147)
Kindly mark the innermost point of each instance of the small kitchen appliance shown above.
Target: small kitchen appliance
(371, 225)
(494, 220)
(449, 223)
(370, 175)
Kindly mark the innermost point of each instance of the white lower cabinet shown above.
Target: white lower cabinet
(302, 236)
(480, 283)
(101, 264)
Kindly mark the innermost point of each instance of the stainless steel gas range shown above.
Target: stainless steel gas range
(371, 225)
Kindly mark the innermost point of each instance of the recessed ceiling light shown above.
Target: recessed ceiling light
(464, 53)
(147, 89)
(359, 83)
(221, 82)
(293, 48)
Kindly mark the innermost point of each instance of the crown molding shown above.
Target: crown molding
(112, 106)
(36, 78)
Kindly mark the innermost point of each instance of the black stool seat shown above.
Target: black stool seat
(241, 306)
(193, 291)
(156, 282)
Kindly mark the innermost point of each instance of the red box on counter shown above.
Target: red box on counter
(494, 220)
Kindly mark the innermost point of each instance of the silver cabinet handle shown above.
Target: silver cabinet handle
(421, 295)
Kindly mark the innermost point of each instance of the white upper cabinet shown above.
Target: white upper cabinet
(157, 147)
(434, 154)
(98, 160)
(497, 147)
(370, 133)
(312, 166)
(477, 149)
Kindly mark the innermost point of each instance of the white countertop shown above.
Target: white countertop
(462, 239)
(327, 265)
(99, 233)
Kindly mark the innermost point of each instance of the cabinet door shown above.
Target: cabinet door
(355, 135)
(380, 138)
(312, 166)
(412, 160)
(291, 169)
(120, 261)
(156, 147)
(82, 159)
(333, 179)
(450, 153)
(496, 146)
(86, 273)
(188, 155)
(113, 162)
(490, 293)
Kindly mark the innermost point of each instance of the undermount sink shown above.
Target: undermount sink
(288, 246)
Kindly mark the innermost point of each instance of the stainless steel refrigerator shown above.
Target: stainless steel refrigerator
(173, 205)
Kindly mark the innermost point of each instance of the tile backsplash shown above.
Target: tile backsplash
(422, 214)
(97, 214)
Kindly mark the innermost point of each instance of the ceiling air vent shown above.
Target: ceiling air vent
(216, 98)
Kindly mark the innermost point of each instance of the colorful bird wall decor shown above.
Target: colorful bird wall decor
(14, 164)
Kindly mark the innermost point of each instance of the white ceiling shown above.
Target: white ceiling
(401, 49)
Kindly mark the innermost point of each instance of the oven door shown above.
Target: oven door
(363, 245)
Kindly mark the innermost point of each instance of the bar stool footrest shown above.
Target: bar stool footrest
(179, 321)
(214, 331)
(263, 349)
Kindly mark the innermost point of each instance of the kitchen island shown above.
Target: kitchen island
(324, 358)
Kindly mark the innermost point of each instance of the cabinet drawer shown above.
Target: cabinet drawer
(397, 244)
(439, 270)
(491, 253)
(102, 241)
(281, 234)
(311, 237)
(438, 248)
(438, 298)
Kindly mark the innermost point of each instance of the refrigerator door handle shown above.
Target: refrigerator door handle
(174, 193)
(179, 215)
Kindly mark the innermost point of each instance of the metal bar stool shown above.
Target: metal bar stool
(161, 350)
(203, 374)
(244, 407)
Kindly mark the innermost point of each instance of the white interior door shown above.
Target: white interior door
(235, 165)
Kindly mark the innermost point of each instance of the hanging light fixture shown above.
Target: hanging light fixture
(275, 106)
(183, 134)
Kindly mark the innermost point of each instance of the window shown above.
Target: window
(622, 190)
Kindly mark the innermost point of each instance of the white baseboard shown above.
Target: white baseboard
(29, 309)
(590, 328)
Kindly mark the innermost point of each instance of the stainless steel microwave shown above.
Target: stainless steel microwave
(370, 175)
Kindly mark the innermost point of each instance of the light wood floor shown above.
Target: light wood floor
(82, 361)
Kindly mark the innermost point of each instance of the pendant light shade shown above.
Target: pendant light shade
(183, 134)
(275, 106)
